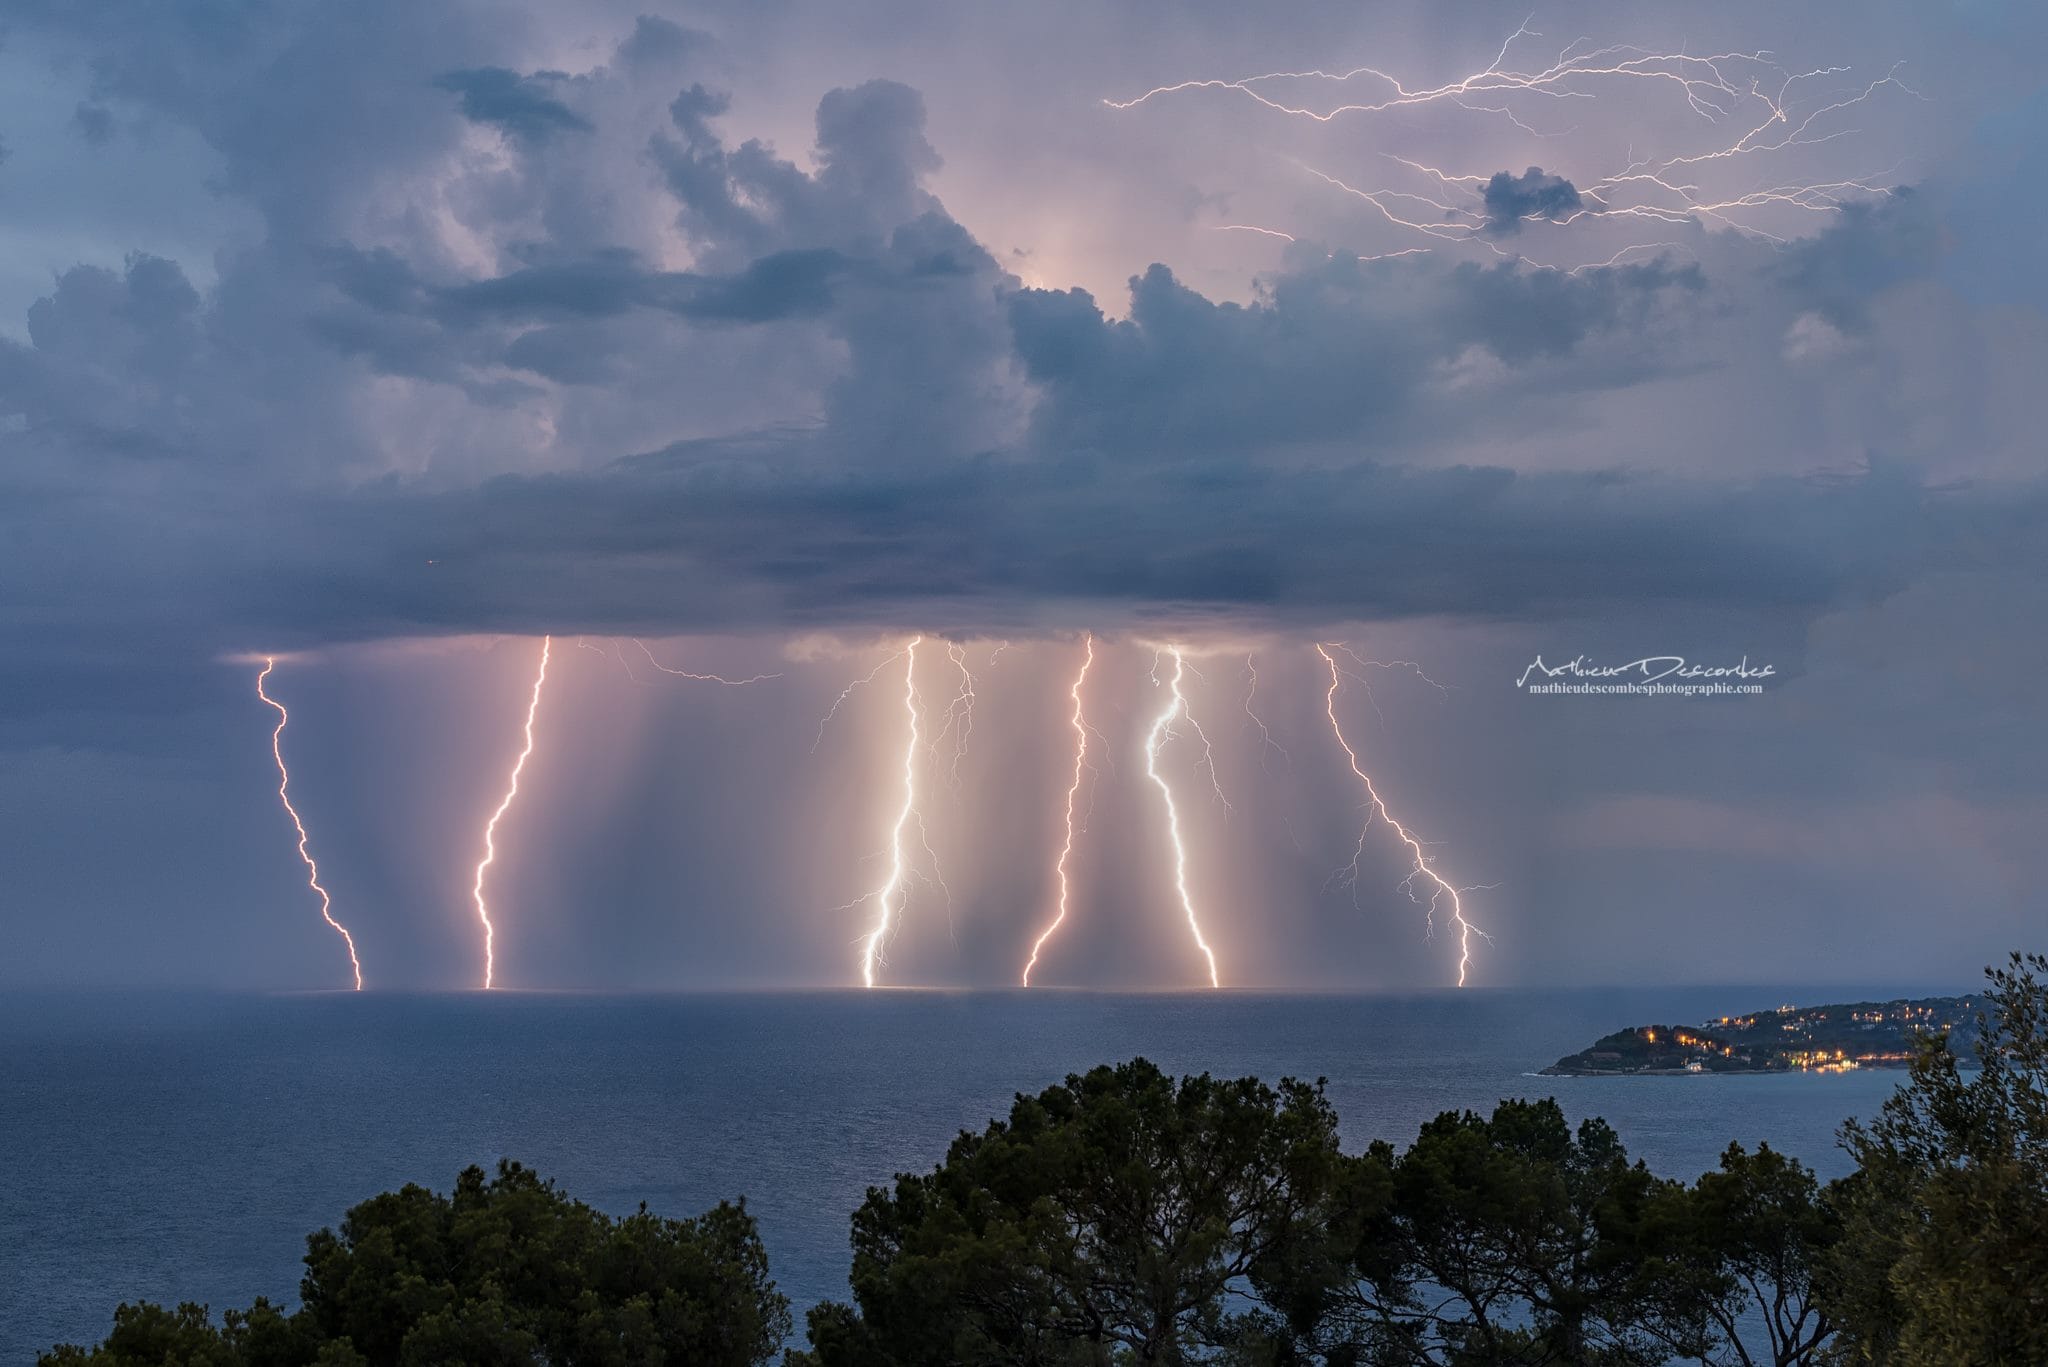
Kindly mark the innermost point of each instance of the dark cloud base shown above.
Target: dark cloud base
(995, 545)
(937, 445)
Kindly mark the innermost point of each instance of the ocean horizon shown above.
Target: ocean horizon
(177, 1146)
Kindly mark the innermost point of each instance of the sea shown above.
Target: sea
(180, 1147)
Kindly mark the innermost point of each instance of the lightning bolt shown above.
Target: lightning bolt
(1773, 109)
(283, 784)
(1440, 890)
(483, 911)
(1266, 742)
(889, 894)
(1208, 761)
(959, 716)
(1073, 792)
(848, 692)
(700, 678)
(1443, 690)
(1252, 228)
(1290, 237)
(1362, 682)
(1162, 731)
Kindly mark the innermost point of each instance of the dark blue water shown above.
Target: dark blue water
(181, 1148)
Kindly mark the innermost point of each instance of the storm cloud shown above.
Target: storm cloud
(971, 446)
(1533, 194)
(353, 331)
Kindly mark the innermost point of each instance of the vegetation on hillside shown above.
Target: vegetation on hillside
(1836, 1038)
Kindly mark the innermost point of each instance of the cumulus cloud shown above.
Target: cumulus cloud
(1332, 350)
(1510, 199)
(512, 319)
(722, 386)
(521, 105)
(1813, 338)
(1870, 249)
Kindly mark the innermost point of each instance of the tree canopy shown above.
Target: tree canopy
(1945, 1254)
(504, 1270)
(1126, 1218)
(1122, 1217)
(1109, 1218)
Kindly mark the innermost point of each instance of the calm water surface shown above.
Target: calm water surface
(181, 1148)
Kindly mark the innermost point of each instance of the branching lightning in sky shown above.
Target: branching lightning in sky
(1208, 761)
(701, 678)
(1440, 890)
(1253, 228)
(958, 722)
(618, 654)
(283, 795)
(483, 911)
(1290, 237)
(1408, 666)
(921, 749)
(849, 690)
(1161, 732)
(1754, 108)
(1073, 792)
(1267, 745)
(888, 896)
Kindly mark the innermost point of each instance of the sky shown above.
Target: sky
(895, 358)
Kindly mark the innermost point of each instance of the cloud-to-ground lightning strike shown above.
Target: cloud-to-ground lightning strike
(1440, 890)
(887, 896)
(284, 782)
(1774, 109)
(1059, 867)
(483, 910)
(1208, 760)
(1162, 730)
